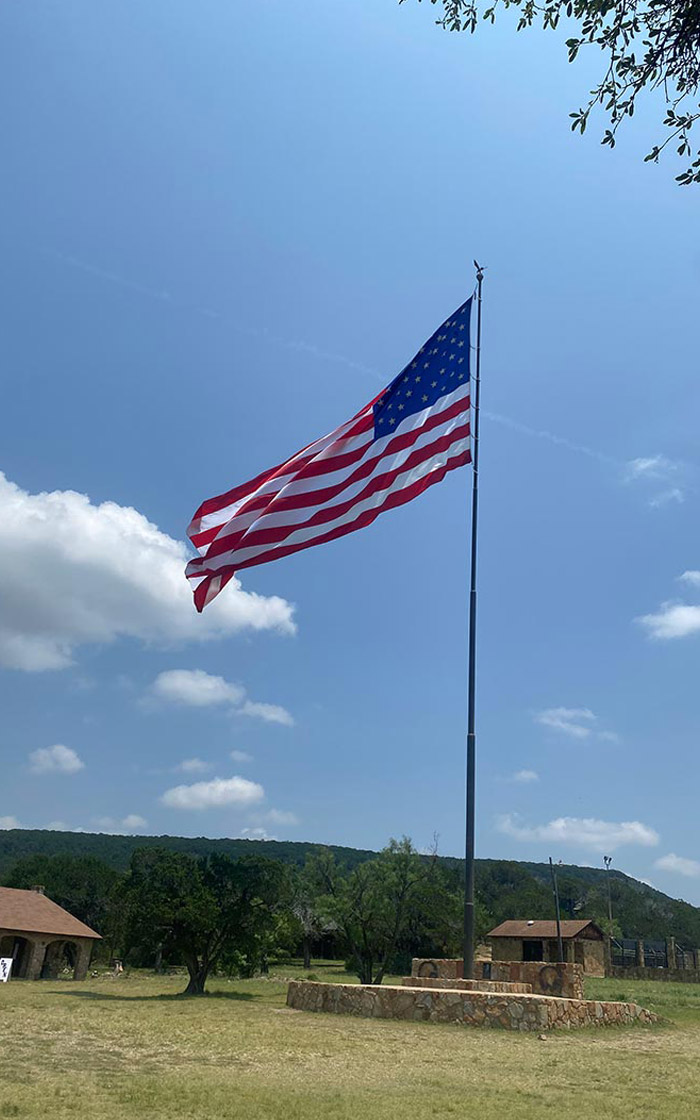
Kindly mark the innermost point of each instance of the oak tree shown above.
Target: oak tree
(209, 913)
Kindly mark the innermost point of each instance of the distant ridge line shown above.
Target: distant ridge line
(508, 888)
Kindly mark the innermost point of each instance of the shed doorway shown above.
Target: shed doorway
(533, 950)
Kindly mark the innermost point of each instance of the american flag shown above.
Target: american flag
(407, 438)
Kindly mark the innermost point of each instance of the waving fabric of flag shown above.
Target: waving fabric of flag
(403, 441)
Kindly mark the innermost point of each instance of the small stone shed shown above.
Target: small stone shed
(583, 943)
(34, 931)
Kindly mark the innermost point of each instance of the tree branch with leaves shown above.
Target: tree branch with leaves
(650, 45)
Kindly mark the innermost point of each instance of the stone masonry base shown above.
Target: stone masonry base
(670, 975)
(467, 985)
(545, 979)
(513, 1011)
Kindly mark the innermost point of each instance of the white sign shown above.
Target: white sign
(5, 969)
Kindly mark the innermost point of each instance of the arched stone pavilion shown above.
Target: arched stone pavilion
(34, 931)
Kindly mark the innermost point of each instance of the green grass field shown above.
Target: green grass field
(121, 1049)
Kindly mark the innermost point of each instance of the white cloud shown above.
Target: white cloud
(134, 821)
(675, 494)
(104, 824)
(241, 756)
(688, 867)
(117, 827)
(281, 816)
(57, 826)
(585, 832)
(195, 688)
(693, 578)
(270, 713)
(193, 766)
(256, 834)
(73, 573)
(213, 794)
(56, 759)
(578, 723)
(571, 721)
(525, 776)
(653, 467)
(609, 736)
(672, 620)
(9, 822)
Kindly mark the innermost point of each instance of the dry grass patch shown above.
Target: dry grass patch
(133, 1048)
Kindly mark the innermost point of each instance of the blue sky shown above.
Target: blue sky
(225, 226)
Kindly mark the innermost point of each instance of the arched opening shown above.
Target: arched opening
(19, 948)
(60, 959)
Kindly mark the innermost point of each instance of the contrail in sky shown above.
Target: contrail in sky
(550, 437)
(165, 296)
(300, 346)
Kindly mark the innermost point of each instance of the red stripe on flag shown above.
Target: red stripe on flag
(241, 521)
(394, 499)
(254, 537)
(299, 461)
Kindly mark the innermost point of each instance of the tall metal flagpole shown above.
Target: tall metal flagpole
(557, 910)
(468, 969)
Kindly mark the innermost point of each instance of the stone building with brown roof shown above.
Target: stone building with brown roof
(35, 931)
(583, 943)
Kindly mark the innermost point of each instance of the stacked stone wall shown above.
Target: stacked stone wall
(670, 975)
(546, 979)
(466, 985)
(593, 958)
(516, 1012)
(446, 968)
(564, 980)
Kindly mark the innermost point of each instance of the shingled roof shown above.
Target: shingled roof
(33, 912)
(542, 930)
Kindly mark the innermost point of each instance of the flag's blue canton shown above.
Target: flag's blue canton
(438, 368)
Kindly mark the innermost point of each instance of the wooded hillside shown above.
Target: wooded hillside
(505, 888)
